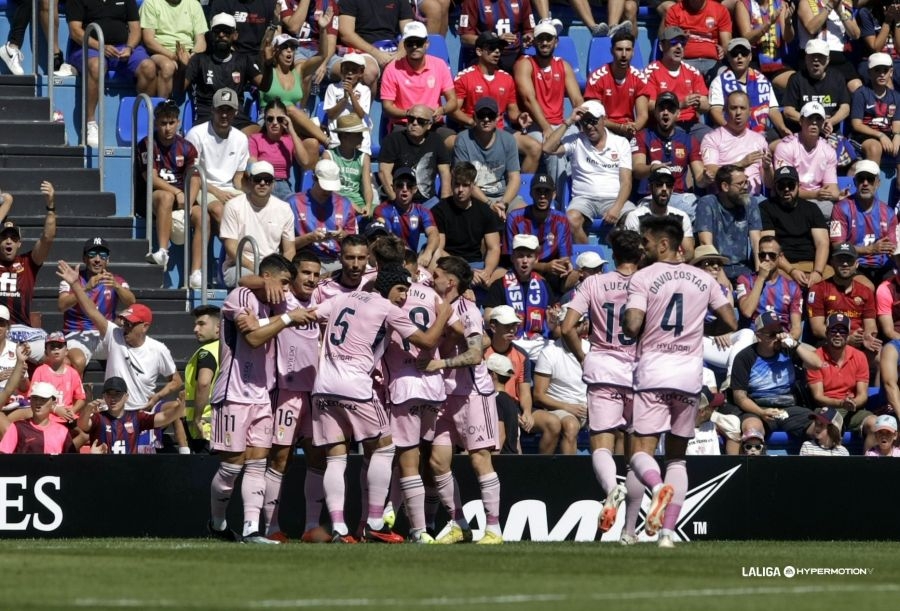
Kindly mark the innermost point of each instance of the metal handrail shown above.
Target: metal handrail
(51, 39)
(144, 100)
(204, 229)
(240, 256)
(35, 12)
(101, 87)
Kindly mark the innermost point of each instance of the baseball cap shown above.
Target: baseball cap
(505, 315)
(828, 415)
(11, 227)
(489, 39)
(328, 175)
(350, 124)
(225, 97)
(375, 229)
(542, 181)
(669, 98)
(672, 32)
(285, 40)
(867, 166)
(403, 171)
(527, 241)
(880, 59)
(95, 244)
(4, 313)
(767, 320)
(786, 172)
(486, 103)
(223, 19)
(817, 47)
(844, 249)
(739, 42)
(115, 384)
(415, 29)
(545, 27)
(45, 390)
(753, 434)
(262, 168)
(837, 319)
(57, 337)
(812, 108)
(589, 260)
(137, 313)
(886, 422)
(354, 58)
(660, 174)
(594, 108)
(499, 364)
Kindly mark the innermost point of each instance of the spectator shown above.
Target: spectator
(40, 434)
(666, 145)
(513, 23)
(843, 381)
(543, 81)
(708, 27)
(826, 434)
(421, 149)
(70, 397)
(501, 370)
(549, 225)
(316, 30)
(770, 291)
(495, 156)
(868, 223)
(124, 53)
(323, 217)
(280, 145)
(740, 76)
(465, 224)
(18, 391)
(11, 52)
(753, 443)
(885, 437)
(812, 157)
(662, 181)
(106, 290)
(260, 215)
(409, 220)
(252, 19)
(619, 86)
(372, 29)
(485, 79)
(800, 229)
(889, 365)
(199, 377)
(815, 83)
(220, 67)
(349, 96)
(736, 144)
(351, 274)
(601, 169)
(763, 379)
(354, 164)
(172, 31)
(558, 387)
(830, 22)
(223, 153)
(730, 221)
(876, 34)
(887, 304)
(173, 155)
(20, 272)
(671, 73)
(769, 26)
(873, 114)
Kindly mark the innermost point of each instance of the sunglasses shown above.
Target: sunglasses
(221, 31)
(741, 52)
(750, 447)
(97, 253)
(839, 331)
(543, 38)
(55, 346)
(787, 184)
(768, 256)
(589, 121)
(543, 191)
(486, 116)
(419, 121)
(271, 119)
(263, 180)
(404, 184)
(710, 263)
(861, 178)
(664, 183)
(678, 41)
(414, 42)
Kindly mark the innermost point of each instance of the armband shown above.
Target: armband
(263, 322)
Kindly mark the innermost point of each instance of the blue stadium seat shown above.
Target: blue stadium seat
(525, 187)
(123, 124)
(437, 47)
(187, 117)
(600, 53)
(566, 50)
(846, 183)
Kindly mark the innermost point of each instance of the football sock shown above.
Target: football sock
(604, 469)
(314, 493)
(379, 480)
(632, 501)
(395, 496)
(335, 489)
(490, 497)
(432, 502)
(272, 498)
(220, 493)
(446, 489)
(253, 490)
(677, 477)
(646, 469)
(414, 496)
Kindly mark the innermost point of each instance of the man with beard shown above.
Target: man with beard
(661, 183)
(666, 145)
(665, 310)
(730, 221)
(251, 18)
(770, 291)
(550, 226)
(352, 274)
(200, 376)
(800, 229)
(601, 169)
(408, 219)
(619, 86)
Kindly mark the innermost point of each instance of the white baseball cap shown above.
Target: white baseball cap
(867, 166)
(817, 47)
(500, 365)
(589, 260)
(880, 59)
(812, 108)
(329, 175)
(43, 389)
(595, 108)
(505, 315)
(415, 29)
(262, 167)
(524, 240)
(354, 58)
(223, 19)
(545, 27)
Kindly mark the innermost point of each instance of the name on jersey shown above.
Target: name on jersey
(616, 285)
(665, 277)
(323, 405)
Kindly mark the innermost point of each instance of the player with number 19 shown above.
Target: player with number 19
(666, 307)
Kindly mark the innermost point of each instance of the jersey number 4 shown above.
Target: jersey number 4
(673, 318)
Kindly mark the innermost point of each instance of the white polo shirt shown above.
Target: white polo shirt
(595, 172)
(221, 158)
(268, 224)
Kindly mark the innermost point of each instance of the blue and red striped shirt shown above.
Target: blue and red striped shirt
(409, 226)
(169, 161)
(310, 215)
(120, 434)
(781, 296)
(553, 234)
(104, 297)
(862, 228)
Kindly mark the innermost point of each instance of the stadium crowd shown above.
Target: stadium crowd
(430, 285)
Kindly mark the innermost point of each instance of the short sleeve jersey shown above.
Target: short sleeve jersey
(245, 372)
(849, 223)
(781, 296)
(472, 84)
(104, 297)
(815, 169)
(296, 350)
(553, 233)
(858, 303)
(678, 152)
(464, 381)
(17, 280)
(121, 435)
(617, 98)
(24, 437)
(170, 161)
(682, 82)
(702, 27)
(410, 225)
(876, 113)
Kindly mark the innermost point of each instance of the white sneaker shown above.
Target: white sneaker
(611, 505)
(66, 70)
(196, 280)
(600, 29)
(666, 541)
(160, 257)
(12, 57)
(92, 139)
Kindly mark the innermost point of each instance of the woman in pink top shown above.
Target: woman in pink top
(280, 145)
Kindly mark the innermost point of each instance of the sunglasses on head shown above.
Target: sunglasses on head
(414, 42)
(768, 255)
(419, 120)
(97, 253)
(263, 179)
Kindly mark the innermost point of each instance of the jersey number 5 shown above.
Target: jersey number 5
(341, 327)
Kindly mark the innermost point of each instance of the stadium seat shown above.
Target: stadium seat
(525, 187)
(845, 183)
(437, 47)
(187, 117)
(601, 249)
(567, 51)
(123, 123)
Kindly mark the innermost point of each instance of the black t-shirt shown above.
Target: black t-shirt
(465, 229)
(112, 17)
(830, 92)
(793, 227)
(252, 18)
(207, 75)
(424, 159)
(377, 19)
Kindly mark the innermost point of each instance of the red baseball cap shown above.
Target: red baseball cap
(137, 313)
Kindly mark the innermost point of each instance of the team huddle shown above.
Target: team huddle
(396, 365)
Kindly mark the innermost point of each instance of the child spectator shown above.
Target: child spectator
(350, 95)
(355, 165)
(753, 443)
(501, 370)
(885, 437)
(70, 397)
(826, 434)
(8, 363)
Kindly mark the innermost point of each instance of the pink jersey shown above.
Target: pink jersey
(464, 381)
(67, 384)
(404, 381)
(245, 373)
(354, 341)
(332, 287)
(675, 298)
(296, 350)
(720, 147)
(611, 359)
(815, 168)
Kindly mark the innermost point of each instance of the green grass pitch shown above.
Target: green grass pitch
(197, 574)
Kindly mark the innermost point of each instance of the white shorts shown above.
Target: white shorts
(89, 342)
